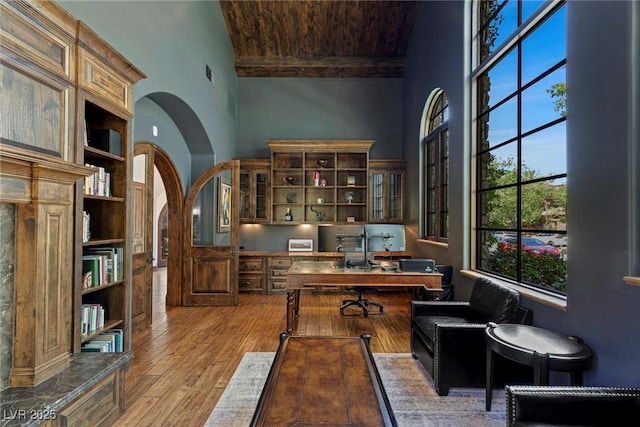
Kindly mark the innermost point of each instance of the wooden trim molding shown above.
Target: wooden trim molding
(632, 280)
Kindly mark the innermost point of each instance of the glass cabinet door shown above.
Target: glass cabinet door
(386, 191)
(395, 196)
(245, 191)
(255, 190)
(261, 209)
(377, 200)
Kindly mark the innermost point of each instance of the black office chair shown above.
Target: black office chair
(447, 286)
(422, 294)
(361, 302)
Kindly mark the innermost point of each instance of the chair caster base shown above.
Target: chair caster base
(362, 303)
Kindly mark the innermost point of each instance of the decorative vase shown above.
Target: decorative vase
(349, 196)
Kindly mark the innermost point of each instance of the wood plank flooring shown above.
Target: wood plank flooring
(183, 362)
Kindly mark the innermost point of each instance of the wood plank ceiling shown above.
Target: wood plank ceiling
(319, 38)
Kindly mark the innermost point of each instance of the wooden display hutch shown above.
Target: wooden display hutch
(321, 182)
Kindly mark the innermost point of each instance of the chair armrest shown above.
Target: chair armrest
(572, 405)
(524, 316)
(439, 308)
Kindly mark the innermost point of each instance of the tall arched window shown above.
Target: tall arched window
(519, 115)
(436, 169)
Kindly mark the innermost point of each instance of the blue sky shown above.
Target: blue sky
(544, 151)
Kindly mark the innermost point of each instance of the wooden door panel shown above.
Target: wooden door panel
(140, 301)
(210, 276)
(139, 204)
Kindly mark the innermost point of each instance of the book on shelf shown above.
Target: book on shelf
(106, 342)
(97, 346)
(92, 318)
(84, 133)
(106, 265)
(99, 183)
(86, 226)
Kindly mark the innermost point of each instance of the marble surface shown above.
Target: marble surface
(7, 261)
(31, 406)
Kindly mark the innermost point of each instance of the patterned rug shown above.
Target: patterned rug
(409, 387)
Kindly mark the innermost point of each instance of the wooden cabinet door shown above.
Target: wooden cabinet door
(386, 191)
(255, 189)
(210, 238)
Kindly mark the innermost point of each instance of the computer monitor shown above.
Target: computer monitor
(385, 237)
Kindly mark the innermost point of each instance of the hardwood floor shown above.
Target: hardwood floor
(183, 362)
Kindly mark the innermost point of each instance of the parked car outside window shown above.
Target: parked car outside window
(501, 235)
(553, 239)
(532, 245)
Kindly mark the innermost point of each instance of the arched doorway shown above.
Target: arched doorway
(141, 281)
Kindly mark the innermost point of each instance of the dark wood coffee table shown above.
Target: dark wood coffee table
(323, 381)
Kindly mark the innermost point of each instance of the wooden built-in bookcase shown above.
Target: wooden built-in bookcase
(60, 82)
(322, 182)
(103, 135)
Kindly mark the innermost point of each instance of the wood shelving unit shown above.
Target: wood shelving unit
(322, 182)
(104, 104)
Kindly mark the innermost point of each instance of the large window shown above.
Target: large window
(436, 169)
(520, 142)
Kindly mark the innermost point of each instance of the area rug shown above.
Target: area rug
(409, 387)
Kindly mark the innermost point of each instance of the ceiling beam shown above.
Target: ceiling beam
(260, 66)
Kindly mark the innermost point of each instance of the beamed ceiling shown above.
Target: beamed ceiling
(326, 38)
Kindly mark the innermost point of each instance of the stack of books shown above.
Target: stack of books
(92, 318)
(106, 342)
(98, 184)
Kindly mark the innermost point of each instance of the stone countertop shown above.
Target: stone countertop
(297, 254)
(31, 406)
(394, 254)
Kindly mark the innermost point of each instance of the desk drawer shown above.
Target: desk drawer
(250, 282)
(278, 273)
(277, 285)
(280, 261)
(250, 265)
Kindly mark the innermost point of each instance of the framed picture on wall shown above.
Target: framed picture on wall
(300, 245)
(224, 206)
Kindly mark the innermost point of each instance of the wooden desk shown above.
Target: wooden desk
(323, 381)
(307, 274)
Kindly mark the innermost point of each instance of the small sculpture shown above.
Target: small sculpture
(289, 179)
(320, 216)
(323, 163)
(291, 197)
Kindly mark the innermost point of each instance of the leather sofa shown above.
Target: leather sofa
(572, 406)
(448, 337)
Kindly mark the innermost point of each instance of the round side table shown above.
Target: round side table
(542, 349)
